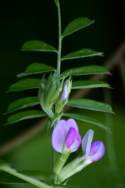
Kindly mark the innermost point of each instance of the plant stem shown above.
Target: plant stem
(60, 162)
(59, 165)
(72, 168)
(59, 39)
(24, 177)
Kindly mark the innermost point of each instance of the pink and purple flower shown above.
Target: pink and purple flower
(93, 151)
(66, 136)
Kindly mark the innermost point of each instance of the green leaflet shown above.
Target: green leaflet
(86, 119)
(83, 53)
(85, 70)
(22, 104)
(76, 25)
(24, 84)
(38, 46)
(20, 116)
(36, 68)
(88, 84)
(90, 105)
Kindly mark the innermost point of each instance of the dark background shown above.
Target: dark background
(22, 21)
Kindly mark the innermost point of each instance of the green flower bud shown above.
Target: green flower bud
(49, 93)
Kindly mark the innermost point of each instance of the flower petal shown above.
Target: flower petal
(71, 123)
(59, 135)
(87, 141)
(75, 146)
(73, 139)
(97, 150)
(70, 137)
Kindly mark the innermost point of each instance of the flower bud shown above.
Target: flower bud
(49, 93)
(63, 99)
(66, 90)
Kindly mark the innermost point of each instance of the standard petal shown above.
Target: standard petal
(71, 123)
(59, 135)
(87, 141)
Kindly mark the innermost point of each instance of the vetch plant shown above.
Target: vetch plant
(54, 88)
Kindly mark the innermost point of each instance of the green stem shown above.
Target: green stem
(72, 168)
(23, 177)
(60, 162)
(59, 165)
(59, 39)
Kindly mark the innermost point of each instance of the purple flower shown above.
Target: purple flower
(65, 136)
(93, 151)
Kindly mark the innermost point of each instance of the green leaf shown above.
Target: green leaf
(88, 84)
(24, 116)
(39, 46)
(76, 25)
(86, 119)
(24, 84)
(90, 105)
(36, 68)
(86, 70)
(81, 54)
(22, 104)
